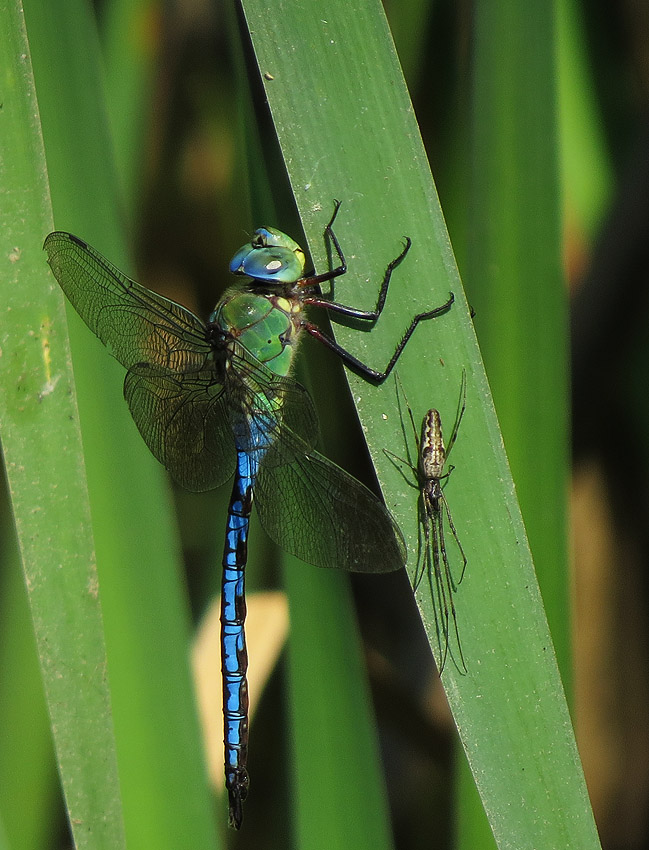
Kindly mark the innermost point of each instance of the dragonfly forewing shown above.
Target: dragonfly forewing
(134, 323)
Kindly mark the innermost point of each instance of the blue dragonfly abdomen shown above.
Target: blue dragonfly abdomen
(234, 655)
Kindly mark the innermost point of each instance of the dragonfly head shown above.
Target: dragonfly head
(271, 256)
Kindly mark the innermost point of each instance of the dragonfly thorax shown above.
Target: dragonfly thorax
(265, 324)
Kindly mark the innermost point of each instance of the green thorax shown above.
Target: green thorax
(265, 324)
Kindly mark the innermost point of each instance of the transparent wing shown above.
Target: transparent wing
(280, 406)
(324, 516)
(135, 324)
(189, 420)
(184, 421)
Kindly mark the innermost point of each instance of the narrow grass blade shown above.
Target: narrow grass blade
(44, 463)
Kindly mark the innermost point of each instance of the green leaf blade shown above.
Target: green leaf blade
(347, 130)
(44, 463)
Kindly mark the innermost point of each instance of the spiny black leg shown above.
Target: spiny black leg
(353, 312)
(421, 317)
(317, 279)
(329, 232)
(369, 315)
(353, 362)
(361, 368)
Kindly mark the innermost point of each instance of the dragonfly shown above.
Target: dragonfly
(434, 513)
(216, 399)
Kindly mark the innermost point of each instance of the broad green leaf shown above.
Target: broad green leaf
(347, 130)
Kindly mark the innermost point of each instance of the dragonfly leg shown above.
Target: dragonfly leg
(353, 312)
(362, 368)
(317, 279)
(318, 300)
